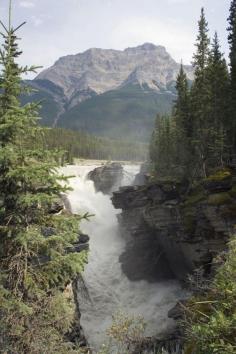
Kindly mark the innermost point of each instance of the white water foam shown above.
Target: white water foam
(109, 289)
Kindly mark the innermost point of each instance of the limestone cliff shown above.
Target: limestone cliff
(100, 70)
(175, 225)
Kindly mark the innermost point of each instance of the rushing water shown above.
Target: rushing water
(109, 289)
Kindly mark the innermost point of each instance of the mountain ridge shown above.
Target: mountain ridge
(109, 92)
(102, 70)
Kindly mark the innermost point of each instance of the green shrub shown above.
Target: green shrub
(211, 318)
(125, 335)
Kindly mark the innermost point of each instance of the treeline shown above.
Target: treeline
(201, 132)
(74, 144)
(197, 139)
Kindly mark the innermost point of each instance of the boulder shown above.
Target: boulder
(83, 238)
(221, 181)
(48, 231)
(82, 244)
(107, 178)
(56, 207)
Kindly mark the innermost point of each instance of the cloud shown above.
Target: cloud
(27, 4)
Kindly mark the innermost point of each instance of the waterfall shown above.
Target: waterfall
(109, 289)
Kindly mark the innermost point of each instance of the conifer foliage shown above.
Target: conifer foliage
(36, 245)
(232, 44)
(77, 144)
(203, 121)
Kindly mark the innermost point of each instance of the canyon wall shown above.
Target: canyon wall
(174, 228)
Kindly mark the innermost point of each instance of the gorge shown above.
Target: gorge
(109, 289)
(143, 250)
(101, 257)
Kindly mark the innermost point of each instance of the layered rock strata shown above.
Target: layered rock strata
(183, 228)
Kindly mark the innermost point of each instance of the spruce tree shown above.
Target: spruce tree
(232, 44)
(200, 58)
(200, 104)
(218, 79)
(163, 153)
(36, 245)
(181, 108)
(183, 123)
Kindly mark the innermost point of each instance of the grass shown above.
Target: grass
(210, 319)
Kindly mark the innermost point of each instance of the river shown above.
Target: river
(109, 289)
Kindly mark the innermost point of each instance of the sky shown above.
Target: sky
(57, 28)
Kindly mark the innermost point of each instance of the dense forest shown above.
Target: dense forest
(201, 132)
(198, 143)
(74, 144)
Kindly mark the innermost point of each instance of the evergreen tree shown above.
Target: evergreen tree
(200, 104)
(181, 108)
(77, 144)
(200, 58)
(201, 128)
(163, 146)
(218, 79)
(183, 123)
(232, 44)
(36, 245)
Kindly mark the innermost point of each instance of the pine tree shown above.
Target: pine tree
(232, 44)
(36, 245)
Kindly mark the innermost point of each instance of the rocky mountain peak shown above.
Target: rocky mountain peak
(144, 47)
(100, 70)
(147, 47)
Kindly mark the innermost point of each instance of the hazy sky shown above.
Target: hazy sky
(59, 27)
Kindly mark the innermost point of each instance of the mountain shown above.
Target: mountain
(109, 92)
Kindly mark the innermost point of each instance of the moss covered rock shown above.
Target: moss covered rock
(218, 199)
(221, 181)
